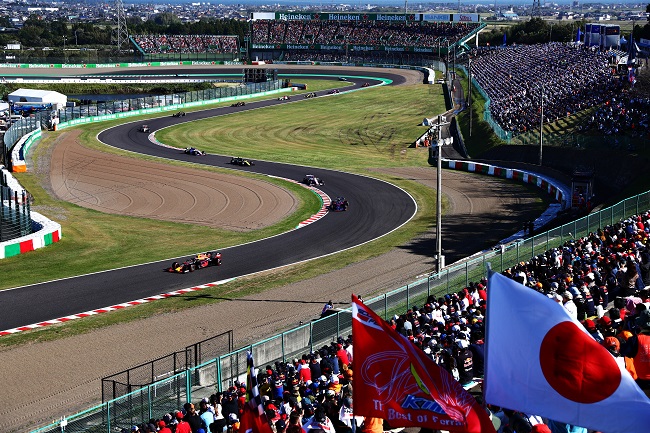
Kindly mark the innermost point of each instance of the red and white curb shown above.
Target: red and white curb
(325, 199)
(321, 213)
(112, 308)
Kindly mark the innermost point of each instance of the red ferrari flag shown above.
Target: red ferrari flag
(396, 381)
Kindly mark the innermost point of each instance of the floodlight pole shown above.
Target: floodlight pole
(541, 126)
(440, 259)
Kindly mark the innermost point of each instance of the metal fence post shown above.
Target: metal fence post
(385, 307)
(532, 247)
(218, 361)
(188, 385)
(149, 399)
(408, 296)
(311, 337)
(502, 251)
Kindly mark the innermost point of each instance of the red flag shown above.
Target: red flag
(253, 419)
(396, 381)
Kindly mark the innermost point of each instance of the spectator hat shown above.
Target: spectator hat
(589, 324)
(605, 321)
(644, 319)
(612, 343)
(135, 428)
(179, 415)
(162, 424)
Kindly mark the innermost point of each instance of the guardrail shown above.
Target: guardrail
(215, 375)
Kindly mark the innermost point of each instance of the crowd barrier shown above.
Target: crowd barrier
(218, 374)
(555, 190)
(487, 114)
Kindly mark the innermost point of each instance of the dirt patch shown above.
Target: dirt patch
(146, 189)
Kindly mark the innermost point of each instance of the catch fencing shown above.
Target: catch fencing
(487, 114)
(15, 216)
(169, 394)
(127, 381)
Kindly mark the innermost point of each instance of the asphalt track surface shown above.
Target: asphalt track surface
(376, 208)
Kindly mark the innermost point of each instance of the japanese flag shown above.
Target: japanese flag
(542, 362)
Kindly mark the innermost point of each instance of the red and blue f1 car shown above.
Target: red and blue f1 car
(200, 261)
(340, 204)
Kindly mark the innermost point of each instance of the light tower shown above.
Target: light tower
(120, 36)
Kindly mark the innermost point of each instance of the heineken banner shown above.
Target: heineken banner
(350, 47)
(335, 16)
(360, 17)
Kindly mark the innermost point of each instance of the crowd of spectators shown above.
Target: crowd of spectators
(568, 78)
(623, 114)
(421, 34)
(163, 44)
(354, 57)
(602, 280)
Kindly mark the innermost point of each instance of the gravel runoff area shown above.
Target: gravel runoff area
(43, 381)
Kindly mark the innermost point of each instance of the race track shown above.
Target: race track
(43, 381)
(376, 208)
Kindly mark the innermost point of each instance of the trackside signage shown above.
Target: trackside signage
(351, 47)
(328, 16)
(435, 17)
(465, 18)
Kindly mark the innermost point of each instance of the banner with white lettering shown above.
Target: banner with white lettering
(396, 381)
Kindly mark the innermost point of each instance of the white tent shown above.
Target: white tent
(40, 97)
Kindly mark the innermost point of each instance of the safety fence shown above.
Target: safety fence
(18, 129)
(169, 394)
(127, 107)
(125, 382)
(15, 220)
(487, 114)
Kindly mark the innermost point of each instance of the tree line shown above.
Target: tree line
(37, 32)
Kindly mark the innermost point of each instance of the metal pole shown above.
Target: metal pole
(439, 201)
(541, 126)
(469, 91)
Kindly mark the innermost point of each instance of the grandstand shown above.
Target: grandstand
(186, 47)
(358, 37)
(562, 78)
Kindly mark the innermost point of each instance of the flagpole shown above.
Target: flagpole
(486, 327)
